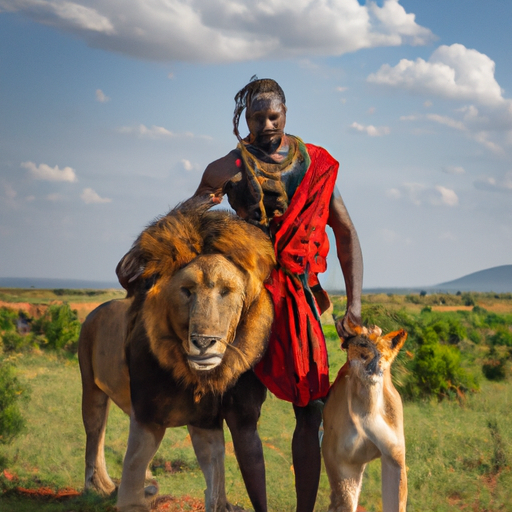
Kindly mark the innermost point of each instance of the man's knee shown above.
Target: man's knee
(308, 417)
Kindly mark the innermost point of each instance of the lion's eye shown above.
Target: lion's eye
(185, 291)
(224, 292)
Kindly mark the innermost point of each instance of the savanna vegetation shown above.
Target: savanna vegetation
(453, 374)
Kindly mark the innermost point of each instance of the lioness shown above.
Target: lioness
(179, 351)
(363, 420)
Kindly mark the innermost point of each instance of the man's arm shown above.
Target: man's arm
(217, 175)
(351, 261)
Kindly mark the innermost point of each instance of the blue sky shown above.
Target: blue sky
(110, 110)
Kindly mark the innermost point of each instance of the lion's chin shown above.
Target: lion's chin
(204, 363)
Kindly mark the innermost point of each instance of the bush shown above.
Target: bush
(60, 326)
(495, 369)
(8, 318)
(14, 342)
(502, 336)
(436, 371)
(11, 392)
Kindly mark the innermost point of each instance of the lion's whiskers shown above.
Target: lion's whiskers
(240, 353)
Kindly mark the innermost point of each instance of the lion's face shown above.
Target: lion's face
(200, 306)
(208, 296)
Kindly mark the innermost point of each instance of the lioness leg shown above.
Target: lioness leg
(346, 480)
(95, 405)
(241, 409)
(209, 448)
(143, 442)
(394, 484)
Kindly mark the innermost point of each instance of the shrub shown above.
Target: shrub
(60, 326)
(14, 342)
(502, 336)
(8, 319)
(468, 300)
(495, 369)
(436, 370)
(11, 392)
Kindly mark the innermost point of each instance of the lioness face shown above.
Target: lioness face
(202, 306)
(371, 356)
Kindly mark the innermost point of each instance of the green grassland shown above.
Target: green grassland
(459, 445)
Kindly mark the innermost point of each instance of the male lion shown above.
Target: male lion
(179, 351)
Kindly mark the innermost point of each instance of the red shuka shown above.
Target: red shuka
(295, 366)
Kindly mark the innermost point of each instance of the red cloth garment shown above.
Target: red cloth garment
(295, 366)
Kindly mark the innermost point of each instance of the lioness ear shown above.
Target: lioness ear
(396, 340)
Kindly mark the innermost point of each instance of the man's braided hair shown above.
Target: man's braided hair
(254, 88)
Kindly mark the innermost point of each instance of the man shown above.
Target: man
(287, 188)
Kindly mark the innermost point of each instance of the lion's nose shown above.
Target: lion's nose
(203, 341)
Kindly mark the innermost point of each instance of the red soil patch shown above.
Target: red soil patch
(35, 310)
(46, 492)
(174, 504)
(84, 308)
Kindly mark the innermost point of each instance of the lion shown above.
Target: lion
(363, 420)
(179, 350)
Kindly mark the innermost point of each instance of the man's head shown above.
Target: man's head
(265, 105)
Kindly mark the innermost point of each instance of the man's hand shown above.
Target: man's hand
(350, 325)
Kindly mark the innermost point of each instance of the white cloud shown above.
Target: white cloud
(454, 169)
(371, 110)
(420, 194)
(491, 184)
(228, 30)
(447, 121)
(47, 173)
(412, 117)
(394, 193)
(187, 164)
(371, 130)
(89, 196)
(158, 132)
(448, 196)
(341, 89)
(427, 104)
(454, 72)
(65, 15)
(101, 97)
(155, 132)
(470, 124)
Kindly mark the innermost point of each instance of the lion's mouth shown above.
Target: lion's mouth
(204, 362)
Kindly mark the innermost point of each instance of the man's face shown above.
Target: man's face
(266, 118)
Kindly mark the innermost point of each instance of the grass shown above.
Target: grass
(459, 453)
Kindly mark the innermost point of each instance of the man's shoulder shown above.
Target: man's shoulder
(218, 173)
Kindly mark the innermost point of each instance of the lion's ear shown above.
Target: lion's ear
(130, 268)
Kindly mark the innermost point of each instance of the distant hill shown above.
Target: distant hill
(496, 279)
(52, 284)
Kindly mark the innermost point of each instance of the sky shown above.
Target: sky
(110, 110)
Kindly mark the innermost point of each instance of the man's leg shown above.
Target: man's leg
(306, 455)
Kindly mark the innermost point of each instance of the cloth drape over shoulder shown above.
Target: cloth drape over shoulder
(295, 366)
